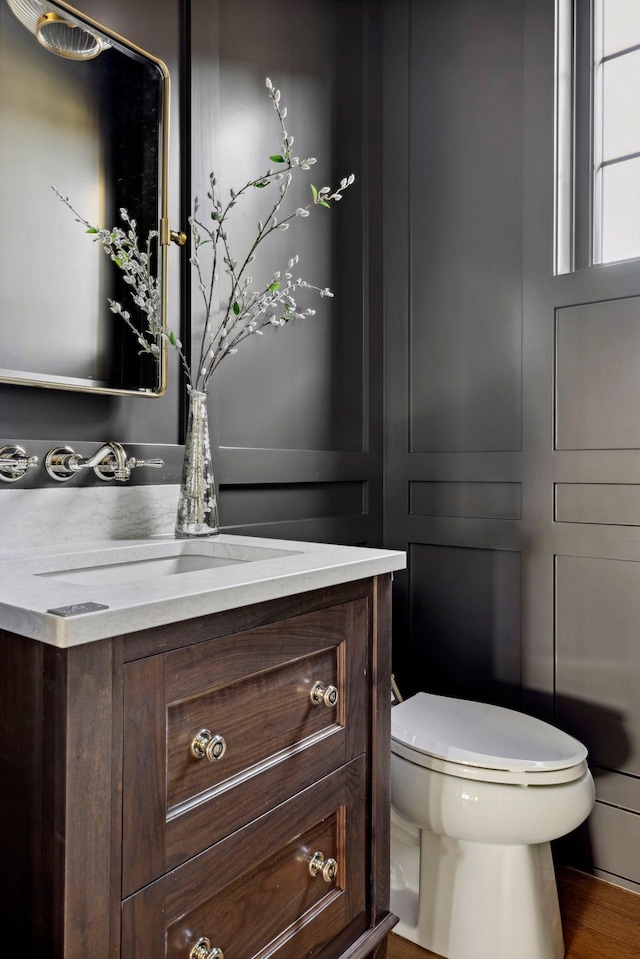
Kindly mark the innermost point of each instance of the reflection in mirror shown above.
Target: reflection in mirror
(96, 128)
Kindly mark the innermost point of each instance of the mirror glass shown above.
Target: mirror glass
(96, 129)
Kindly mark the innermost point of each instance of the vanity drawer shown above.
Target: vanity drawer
(253, 894)
(254, 719)
(252, 689)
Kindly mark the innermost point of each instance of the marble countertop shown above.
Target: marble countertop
(138, 591)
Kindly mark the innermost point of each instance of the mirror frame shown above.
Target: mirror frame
(164, 234)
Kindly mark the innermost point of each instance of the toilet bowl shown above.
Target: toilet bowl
(478, 792)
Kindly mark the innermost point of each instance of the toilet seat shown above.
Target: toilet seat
(483, 742)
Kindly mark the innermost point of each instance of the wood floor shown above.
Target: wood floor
(600, 921)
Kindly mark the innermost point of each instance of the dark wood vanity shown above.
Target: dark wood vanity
(176, 791)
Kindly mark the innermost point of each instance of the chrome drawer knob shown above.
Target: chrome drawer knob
(327, 868)
(203, 950)
(207, 745)
(321, 693)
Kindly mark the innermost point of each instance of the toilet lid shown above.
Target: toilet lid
(478, 734)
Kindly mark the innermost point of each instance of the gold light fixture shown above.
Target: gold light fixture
(59, 36)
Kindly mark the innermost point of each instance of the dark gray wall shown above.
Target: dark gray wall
(511, 438)
(295, 416)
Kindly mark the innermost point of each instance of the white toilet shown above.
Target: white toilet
(477, 793)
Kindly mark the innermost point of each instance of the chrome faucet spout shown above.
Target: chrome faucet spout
(111, 456)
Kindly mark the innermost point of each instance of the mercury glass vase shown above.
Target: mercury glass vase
(197, 506)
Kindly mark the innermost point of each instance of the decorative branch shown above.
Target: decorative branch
(247, 311)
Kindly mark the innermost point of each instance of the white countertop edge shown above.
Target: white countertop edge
(312, 566)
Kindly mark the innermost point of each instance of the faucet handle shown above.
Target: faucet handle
(109, 469)
(14, 463)
(156, 464)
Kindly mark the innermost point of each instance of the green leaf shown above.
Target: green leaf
(314, 191)
(322, 203)
(118, 262)
(274, 287)
(92, 229)
(172, 338)
(214, 216)
(277, 158)
(260, 186)
(236, 308)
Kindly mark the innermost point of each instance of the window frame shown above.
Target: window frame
(579, 124)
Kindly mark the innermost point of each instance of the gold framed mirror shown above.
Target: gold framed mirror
(93, 122)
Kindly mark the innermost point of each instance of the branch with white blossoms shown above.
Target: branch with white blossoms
(247, 311)
(123, 248)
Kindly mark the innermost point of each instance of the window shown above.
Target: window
(616, 154)
(597, 132)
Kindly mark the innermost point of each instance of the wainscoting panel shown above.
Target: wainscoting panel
(597, 682)
(617, 789)
(470, 500)
(597, 384)
(301, 386)
(290, 501)
(612, 504)
(597, 663)
(465, 621)
(324, 512)
(614, 835)
(465, 325)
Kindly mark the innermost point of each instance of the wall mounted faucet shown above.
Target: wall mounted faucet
(108, 463)
(14, 463)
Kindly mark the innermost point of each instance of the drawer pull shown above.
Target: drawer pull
(206, 745)
(203, 950)
(321, 693)
(328, 868)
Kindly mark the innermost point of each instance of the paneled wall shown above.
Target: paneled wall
(512, 445)
(453, 329)
(511, 438)
(295, 416)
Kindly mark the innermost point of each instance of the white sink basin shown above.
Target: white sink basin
(135, 565)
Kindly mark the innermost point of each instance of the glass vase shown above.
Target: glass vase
(197, 506)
